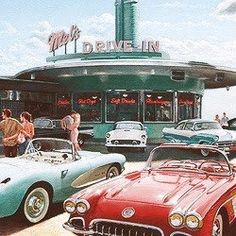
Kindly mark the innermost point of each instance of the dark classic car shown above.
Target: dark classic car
(51, 127)
(184, 190)
(231, 124)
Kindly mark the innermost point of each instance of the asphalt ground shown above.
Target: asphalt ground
(52, 225)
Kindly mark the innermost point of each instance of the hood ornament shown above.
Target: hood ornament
(128, 212)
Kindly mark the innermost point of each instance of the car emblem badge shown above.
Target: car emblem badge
(128, 212)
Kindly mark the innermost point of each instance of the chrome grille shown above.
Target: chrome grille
(131, 142)
(107, 228)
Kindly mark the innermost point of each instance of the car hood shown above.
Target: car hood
(126, 133)
(164, 189)
(14, 167)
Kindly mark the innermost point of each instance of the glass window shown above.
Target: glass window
(158, 106)
(122, 105)
(185, 106)
(180, 126)
(188, 126)
(89, 106)
(63, 104)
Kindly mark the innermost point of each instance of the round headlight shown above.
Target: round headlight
(69, 206)
(143, 136)
(82, 206)
(176, 219)
(193, 221)
(108, 135)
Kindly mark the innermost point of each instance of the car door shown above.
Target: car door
(70, 171)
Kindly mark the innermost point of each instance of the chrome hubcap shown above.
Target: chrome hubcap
(35, 204)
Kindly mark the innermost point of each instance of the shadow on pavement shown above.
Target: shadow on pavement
(13, 224)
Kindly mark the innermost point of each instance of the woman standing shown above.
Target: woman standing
(27, 133)
(74, 133)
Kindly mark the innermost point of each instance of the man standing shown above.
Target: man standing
(224, 120)
(10, 127)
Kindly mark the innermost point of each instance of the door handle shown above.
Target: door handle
(64, 173)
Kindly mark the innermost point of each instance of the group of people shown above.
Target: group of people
(16, 135)
(223, 120)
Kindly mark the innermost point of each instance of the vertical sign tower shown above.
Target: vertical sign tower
(126, 21)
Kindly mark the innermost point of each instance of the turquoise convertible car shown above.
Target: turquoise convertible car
(49, 172)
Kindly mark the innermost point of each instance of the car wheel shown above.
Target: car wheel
(36, 204)
(112, 172)
(218, 226)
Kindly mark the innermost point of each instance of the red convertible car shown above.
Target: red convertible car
(184, 190)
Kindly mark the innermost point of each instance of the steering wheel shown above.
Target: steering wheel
(212, 166)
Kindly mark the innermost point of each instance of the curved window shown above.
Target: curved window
(158, 106)
(189, 106)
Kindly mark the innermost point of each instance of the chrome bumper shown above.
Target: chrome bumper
(72, 229)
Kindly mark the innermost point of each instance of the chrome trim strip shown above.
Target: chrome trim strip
(179, 232)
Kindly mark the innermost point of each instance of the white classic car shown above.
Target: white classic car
(200, 131)
(128, 134)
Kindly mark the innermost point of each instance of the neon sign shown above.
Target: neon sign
(61, 38)
(185, 102)
(87, 101)
(128, 101)
(150, 101)
(63, 102)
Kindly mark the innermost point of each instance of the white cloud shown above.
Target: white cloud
(7, 28)
(102, 26)
(42, 31)
(226, 7)
(217, 53)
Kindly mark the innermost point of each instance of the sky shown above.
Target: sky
(188, 30)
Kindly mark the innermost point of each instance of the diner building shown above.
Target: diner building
(116, 80)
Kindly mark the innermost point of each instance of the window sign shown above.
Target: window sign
(122, 105)
(88, 105)
(158, 106)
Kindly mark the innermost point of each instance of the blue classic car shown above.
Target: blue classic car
(49, 172)
(200, 131)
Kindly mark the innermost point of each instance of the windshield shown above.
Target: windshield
(194, 159)
(42, 123)
(53, 151)
(128, 126)
(207, 125)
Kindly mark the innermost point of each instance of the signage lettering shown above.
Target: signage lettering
(128, 101)
(63, 102)
(150, 101)
(185, 102)
(86, 101)
(61, 38)
(121, 46)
